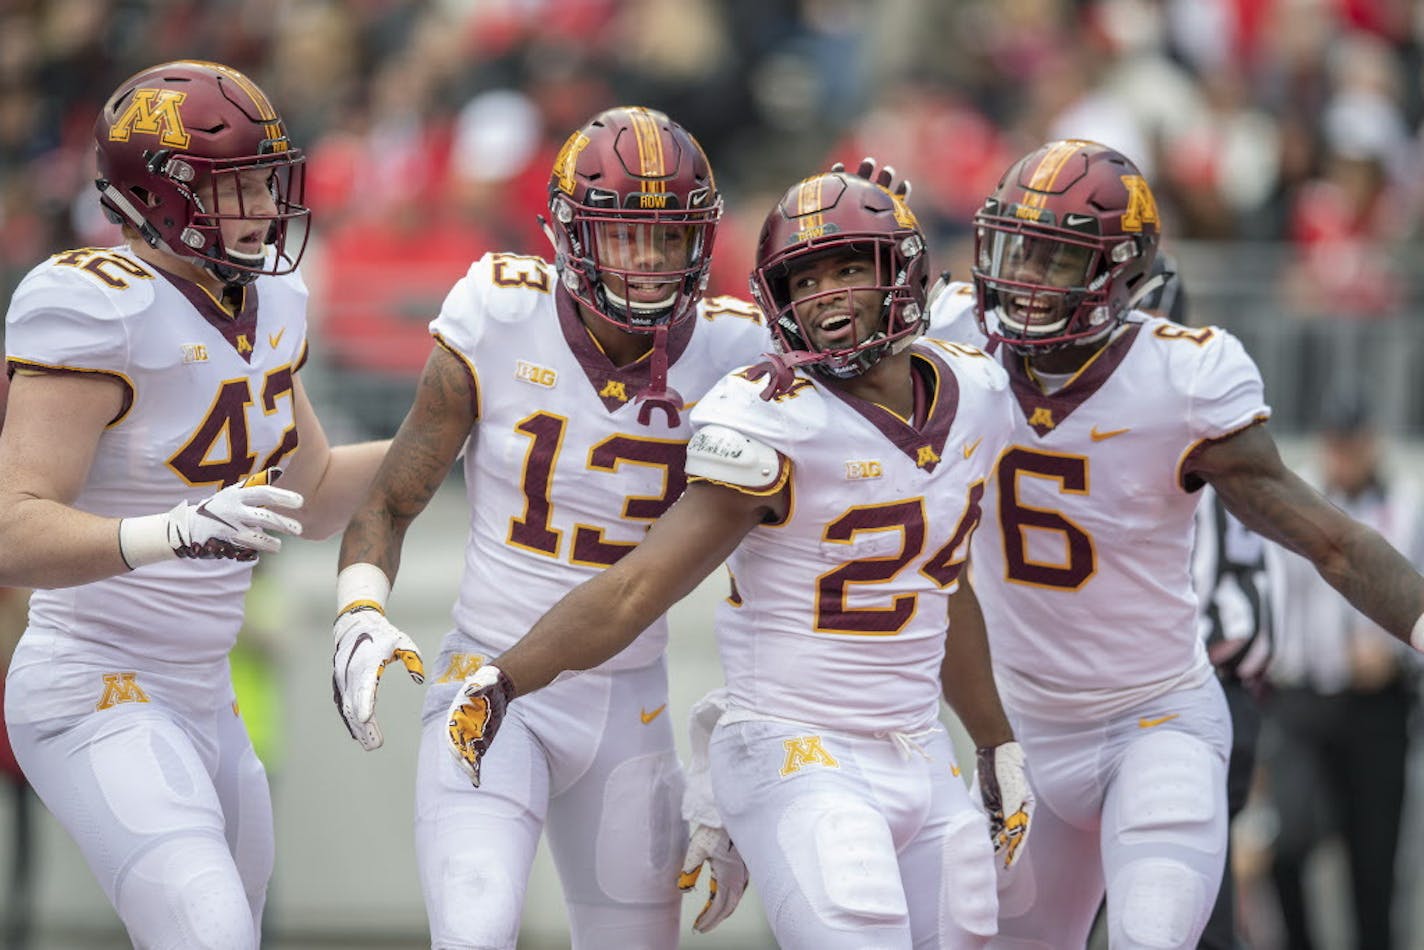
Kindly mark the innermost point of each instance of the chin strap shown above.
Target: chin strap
(780, 370)
(657, 394)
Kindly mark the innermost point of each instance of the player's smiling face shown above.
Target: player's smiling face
(834, 299)
(644, 263)
(1044, 266)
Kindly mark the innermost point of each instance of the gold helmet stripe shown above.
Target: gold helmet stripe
(650, 149)
(809, 202)
(1042, 180)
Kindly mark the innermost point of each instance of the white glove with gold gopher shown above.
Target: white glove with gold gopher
(726, 880)
(475, 715)
(1002, 782)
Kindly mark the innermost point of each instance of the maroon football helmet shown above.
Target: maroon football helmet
(832, 214)
(169, 138)
(635, 212)
(1064, 246)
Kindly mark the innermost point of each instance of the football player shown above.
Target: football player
(162, 375)
(1084, 569)
(843, 480)
(566, 387)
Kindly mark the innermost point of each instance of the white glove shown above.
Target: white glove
(725, 883)
(885, 178)
(230, 524)
(474, 717)
(365, 642)
(1008, 798)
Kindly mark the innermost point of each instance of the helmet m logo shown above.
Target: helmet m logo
(903, 215)
(121, 688)
(1141, 206)
(153, 112)
(567, 161)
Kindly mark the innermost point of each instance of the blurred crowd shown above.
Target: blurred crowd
(430, 125)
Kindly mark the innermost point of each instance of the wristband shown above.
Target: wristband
(1416, 636)
(361, 585)
(144, 540)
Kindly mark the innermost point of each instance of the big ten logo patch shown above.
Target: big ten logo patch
(856, 469)
(536, 374)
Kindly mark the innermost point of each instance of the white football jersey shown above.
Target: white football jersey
(1084, 569)
(208, 401)
(838, 613)
(562, 478)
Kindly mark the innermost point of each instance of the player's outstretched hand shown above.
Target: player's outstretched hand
(727, 878)
(365, 642)
(475, 715)
(1007, 796)
(885, 178)
(232, 523)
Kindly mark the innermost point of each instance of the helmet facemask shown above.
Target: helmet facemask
(797, 322)
(230, 191)
(1045, 287)
(638, 269)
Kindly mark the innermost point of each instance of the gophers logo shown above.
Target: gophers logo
(153, 112)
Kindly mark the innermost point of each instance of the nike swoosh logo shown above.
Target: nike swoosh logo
(1097, 436)
(274, 340)
(648, 717)
(1149, 723)
(969, 449)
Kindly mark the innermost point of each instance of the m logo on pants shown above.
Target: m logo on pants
(121, 688)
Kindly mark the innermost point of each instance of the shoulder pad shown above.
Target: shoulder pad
(725, 455)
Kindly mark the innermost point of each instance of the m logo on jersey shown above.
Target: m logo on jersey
(462, 667)
(926, 457)
(806, 750)
(195, 353)
(121, 688)
(536, 374)
(244, 345)
(614, 389)
(1042, 419)
(856, 470)
(153, 112)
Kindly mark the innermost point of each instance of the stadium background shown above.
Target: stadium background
(1281, 136)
